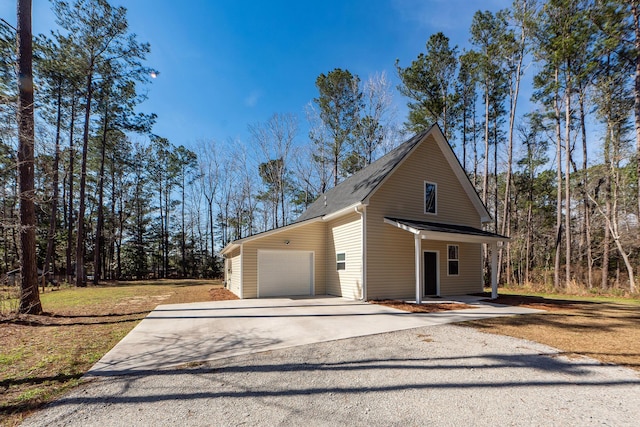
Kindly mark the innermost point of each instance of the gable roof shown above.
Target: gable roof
(361, 185)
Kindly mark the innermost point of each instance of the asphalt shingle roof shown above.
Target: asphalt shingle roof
(445, 228)
(360, 185)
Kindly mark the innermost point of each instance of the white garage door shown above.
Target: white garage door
(283, 273)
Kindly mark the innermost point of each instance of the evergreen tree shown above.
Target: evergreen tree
(339, 103)
(487, 33)
(430, 84)
(101, 40)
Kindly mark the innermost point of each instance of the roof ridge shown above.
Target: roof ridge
(361, 184)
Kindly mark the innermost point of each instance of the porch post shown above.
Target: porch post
(418, 247)
(494, 270)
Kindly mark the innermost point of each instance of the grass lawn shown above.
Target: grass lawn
(43, 356)
(603, 328)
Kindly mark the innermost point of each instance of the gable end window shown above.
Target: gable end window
(453, 260)
(341, 261)
(430, 198)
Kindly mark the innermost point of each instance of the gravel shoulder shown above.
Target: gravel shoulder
(436, 375)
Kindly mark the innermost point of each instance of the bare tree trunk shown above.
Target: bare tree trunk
(116, 228)
(506, 224)
(464, 134)
(567, 182)
(556, 274)
(167, 209)
(585, 198)
(5, 233)
(636, 94)
(336, 161)
(613, 224)
(70, 208)
(485, 179)
(282, 191)
(97, 247)
(29, 296)
(607, 213)
(627, 264)
(162, 272)
(183, 243)
(54, 201)
(475, 152)
(612, 228)
(80, 270)
(211, 230)
(528, 244)
(119, 239)
(495, 180)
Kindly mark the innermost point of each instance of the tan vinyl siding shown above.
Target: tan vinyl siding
(234, 263)
(390, 251)
(469, 279)
(345, 236)
(402, 194)
(309, 237)
(390, 261)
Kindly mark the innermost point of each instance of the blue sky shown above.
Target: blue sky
(227, 64)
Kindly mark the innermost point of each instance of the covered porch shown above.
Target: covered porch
(453, 235)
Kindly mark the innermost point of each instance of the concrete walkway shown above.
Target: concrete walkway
(179, 334)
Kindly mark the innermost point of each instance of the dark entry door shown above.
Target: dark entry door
(430, 273)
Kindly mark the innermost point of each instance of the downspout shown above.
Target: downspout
(363, 250)
(242, 271)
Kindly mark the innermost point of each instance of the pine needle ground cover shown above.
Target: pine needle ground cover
(430, 307)
(43, 356)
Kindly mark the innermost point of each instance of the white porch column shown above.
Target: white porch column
(494, 270)
(418, 248)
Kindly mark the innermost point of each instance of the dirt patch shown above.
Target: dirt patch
(422, 308)
(539, 303)
(222, 294)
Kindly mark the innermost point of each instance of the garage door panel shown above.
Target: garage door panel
(283, 273)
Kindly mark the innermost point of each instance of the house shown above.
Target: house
(407, 226)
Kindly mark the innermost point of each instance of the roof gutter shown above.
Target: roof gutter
(229, 248)
(343, 211)
(237, 243)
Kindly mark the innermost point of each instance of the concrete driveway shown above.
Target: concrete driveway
(179, 334)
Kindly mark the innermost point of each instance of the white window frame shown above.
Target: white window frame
(449, 260)
(435, 201)
(339, 261)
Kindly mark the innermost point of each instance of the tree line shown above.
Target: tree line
(114, 200)
(562, 180)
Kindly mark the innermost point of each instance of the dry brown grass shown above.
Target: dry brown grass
(430, 307)
(606, 331)
(42, 356)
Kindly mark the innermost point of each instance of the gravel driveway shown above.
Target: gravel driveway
(435, 375)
